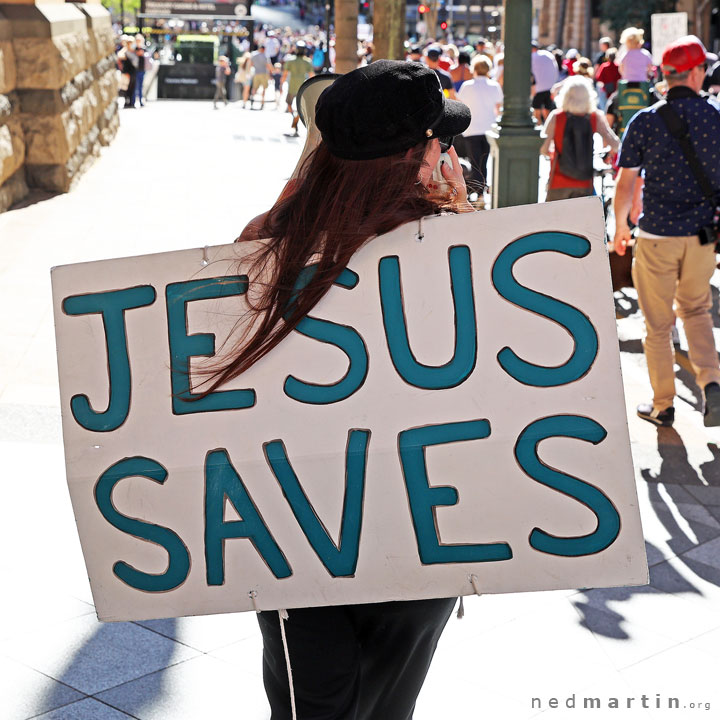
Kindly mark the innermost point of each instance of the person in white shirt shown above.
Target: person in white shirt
(484, 97)
(545, 74)
(272, 47)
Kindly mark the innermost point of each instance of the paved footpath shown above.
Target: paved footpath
(182, 175)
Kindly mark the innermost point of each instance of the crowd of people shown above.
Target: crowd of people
(574, 98)
(134, 61)
(577, 98)
(661, 126)
(284, 59)
(572, 95)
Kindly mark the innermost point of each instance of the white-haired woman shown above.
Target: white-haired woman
(569, 133)
(635, 61)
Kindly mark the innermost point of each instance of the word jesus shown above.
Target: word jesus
(113, 305)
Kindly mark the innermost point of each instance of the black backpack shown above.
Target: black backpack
(576, 158)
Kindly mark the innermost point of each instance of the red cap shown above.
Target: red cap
(682, 55)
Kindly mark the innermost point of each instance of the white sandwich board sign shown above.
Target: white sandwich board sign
(448, 419)
(666, 28)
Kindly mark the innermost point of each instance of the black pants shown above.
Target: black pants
(130, 92)
(478, 149)
(352, 662)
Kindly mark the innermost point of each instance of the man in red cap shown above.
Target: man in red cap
(675, 249)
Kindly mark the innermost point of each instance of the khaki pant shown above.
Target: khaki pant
(675, 269)
(260, 80)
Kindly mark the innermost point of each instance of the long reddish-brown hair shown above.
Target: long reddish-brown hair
(333, 207)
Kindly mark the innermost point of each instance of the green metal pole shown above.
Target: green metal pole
(515, 140)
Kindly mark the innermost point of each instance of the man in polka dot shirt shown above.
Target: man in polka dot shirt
(670, 263)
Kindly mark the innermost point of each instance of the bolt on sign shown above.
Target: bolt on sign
(448, 419)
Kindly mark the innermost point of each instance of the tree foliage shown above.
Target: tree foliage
(131, 7)
(621, 14)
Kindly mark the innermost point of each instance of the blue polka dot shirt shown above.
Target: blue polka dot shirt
(673, 203)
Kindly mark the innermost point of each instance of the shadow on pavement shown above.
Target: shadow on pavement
(711, 469)
(674, 468)
(688, 524)
(631, 346)
(626, 303)
(685, 377)
(685, 518)
(115, 651)
(687, 521)
(601, 619)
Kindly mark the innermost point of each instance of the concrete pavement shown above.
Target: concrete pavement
(182, 175)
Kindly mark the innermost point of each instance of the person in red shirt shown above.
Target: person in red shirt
(570, 57)
(606, 77)
(448, 57)
(576, 100)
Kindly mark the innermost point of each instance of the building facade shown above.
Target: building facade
(58, 93)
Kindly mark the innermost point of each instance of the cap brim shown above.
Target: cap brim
(307, 96)
(455, 120)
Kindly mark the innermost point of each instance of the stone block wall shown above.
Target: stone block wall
(12, 143)
(65, 88)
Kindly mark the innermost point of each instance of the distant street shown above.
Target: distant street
(182, 175)
(280, 16)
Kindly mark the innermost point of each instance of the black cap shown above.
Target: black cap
(385, 108)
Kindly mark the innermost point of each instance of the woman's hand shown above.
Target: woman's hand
(453, 175)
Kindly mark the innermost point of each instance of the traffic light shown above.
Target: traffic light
(442, 17)
(422, 9)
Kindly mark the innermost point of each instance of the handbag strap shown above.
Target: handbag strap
(679, 130)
